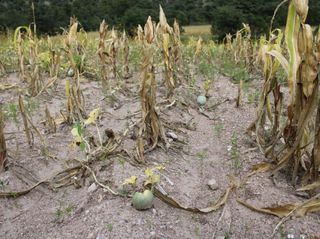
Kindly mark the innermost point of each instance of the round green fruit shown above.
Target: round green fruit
(70, 72)
(142, 201)
(201, 100)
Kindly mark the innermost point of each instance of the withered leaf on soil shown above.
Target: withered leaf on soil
(298, 209)
(212, 207)
(309, 187)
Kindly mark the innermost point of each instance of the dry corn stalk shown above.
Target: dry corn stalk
(102, 51)
(126, 51)
(35, 83)
(21, 53)
(168, 62)
(50, 122)
(114, 52)
(151, 130)
(242, 47)
(32, 75)
(163, 32)
(177, 54)
(54, 60)
(270, 65)
(3, 148)
(302, 70)
(75, 99)
(2, 69)
(27, 130)
(239, 97)
(140, 36)
(29, 126)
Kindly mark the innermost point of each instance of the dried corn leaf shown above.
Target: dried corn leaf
(281, 59)
(292, 31)
(7, 86)
(72, 35)
(93, 116)
(213, 207)
(298, 209)
(302, 8)
(309, 187)
(149, 31)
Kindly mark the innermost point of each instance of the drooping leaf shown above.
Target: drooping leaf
(93, 116)
(132, 180)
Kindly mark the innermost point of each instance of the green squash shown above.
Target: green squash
(201, 100)
(142, 201)
(70, 72)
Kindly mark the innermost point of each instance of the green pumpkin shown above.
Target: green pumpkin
(201, 100)
(142, 201)
(70, 72)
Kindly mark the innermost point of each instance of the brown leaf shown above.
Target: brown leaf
(298, 209)
(309, 187)
(213, 207)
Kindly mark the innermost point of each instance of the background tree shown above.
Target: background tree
(224, 16)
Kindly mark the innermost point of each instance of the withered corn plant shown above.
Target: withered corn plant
(102, 52)
(300, 133)
(55, 59)
(19, 45)
(140, 35)
(50, 122)
(31, 75)
(3, 148)
(151, 130)
(242, 46)
(75, 99)
(177, 52)
(113, 52)
(34, 76)
(126, 51)
(198, 50)
(29, 128)
(164, 33)
(2, 68)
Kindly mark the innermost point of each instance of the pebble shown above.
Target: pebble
(93, 187)
(152, 233)
(220, 237)
(172, 136)
(213, 185)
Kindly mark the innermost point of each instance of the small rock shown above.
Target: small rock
(152, 233)
(220, 237)
(154, 211)
(93, 187)
(213, 185)
(172, 136)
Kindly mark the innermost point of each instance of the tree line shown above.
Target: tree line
(224, 16)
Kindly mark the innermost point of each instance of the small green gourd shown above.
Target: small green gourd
(142, 201)
(201, 100)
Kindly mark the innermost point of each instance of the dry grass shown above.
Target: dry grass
(197, 30)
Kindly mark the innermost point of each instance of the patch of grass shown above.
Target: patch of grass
(110, 227)
(11, 112)
(59, 214)
(234, 152)
(197, 231)
(253, 97)
(218, 128)
(202, 155)
(3, 184)
(194, 30)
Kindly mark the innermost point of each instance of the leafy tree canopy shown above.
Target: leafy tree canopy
(224, 16)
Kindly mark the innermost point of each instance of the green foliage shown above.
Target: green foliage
(225, 16)
(11, 112)
(234, 152)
